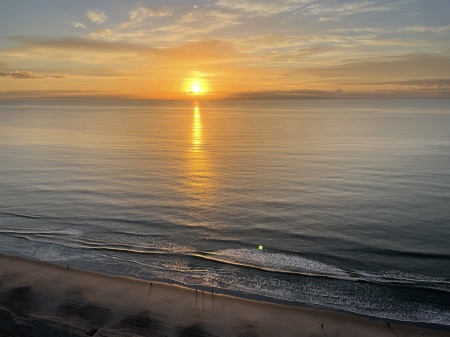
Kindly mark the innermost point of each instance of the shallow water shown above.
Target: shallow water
(349, 198)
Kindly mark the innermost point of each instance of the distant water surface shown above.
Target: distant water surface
(350, 199)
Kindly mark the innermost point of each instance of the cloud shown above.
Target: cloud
(393, 30)
(340, 94)
(405, 66)
(96, 16)
(23, 74)
(331, 11)
(60, 94)
(100, 52)
(405, 93)
(74, 44)
(200, 21)
(421, 83)
(263, 7)
(428, 83)
(287, 94)
(78, 24)
(424, 29)
(272, 41)
(378, 69)
(140, 13)
(194, 24)
(328, 19)
(103, 32)
(296, 54)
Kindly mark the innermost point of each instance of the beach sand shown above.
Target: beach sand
(43, 299)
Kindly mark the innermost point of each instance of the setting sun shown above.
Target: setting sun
(195, 85)
(196, 88)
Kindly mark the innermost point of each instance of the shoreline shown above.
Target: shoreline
(36, 293)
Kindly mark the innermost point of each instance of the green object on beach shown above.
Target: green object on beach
(260, 247)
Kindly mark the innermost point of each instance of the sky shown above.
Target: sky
(179, 49)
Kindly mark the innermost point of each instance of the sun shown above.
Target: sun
(196, 88)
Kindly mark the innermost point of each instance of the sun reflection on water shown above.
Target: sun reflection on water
(200, 176)
(197, 131)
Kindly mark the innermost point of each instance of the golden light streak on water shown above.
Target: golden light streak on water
(200, 175)
(197, 130)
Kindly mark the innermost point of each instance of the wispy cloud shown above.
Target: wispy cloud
(325, 94)
(389, 68)
(96, 16)
(405, 93)
(200, 21)
(140, 14)
(287, 94)
(102, 32)
(425, 29)
(443, 83)
(263, 7)
(74, 49)
(24, 74)
(428, 83)
(295, 55)
(394, 30)
(334, 11)
(290, 43)
(59, 94)
(165, 26)
(77, 24)
(306, 50)
(328, 19)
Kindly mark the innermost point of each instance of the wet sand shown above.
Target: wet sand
(43, 299)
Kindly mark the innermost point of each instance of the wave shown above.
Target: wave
(369, 293)
(301, 266)
(20, 215)
(417, 254)
(407, 279)
(276, 262)
(35, 232)
(74, 238)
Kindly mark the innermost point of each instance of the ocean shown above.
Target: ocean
(340, 204)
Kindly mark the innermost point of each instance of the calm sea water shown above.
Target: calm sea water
(349, 198)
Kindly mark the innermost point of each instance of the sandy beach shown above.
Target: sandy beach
(43, 299)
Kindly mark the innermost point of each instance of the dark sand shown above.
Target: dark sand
(42, 299)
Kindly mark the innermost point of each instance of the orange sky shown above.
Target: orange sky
(225, 49)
